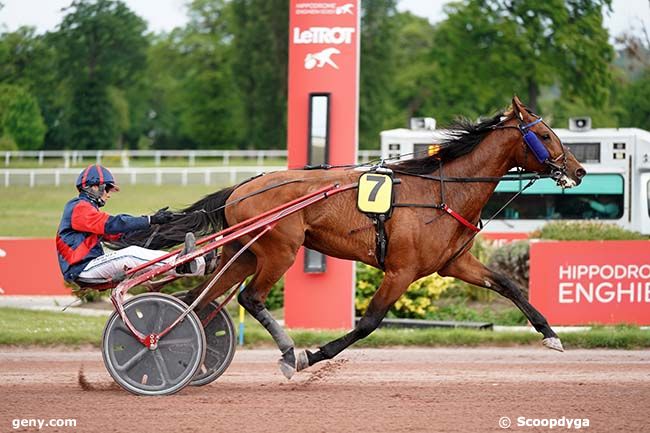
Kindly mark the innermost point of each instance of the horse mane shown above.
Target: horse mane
(463, 136)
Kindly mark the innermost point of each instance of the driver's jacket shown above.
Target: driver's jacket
(82, 228)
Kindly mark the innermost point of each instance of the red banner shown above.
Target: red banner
(30, 267)
(579, 283)
(323, 60)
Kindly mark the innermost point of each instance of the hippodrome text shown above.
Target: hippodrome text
(613, 283)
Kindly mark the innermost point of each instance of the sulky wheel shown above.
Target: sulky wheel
(221, 342)
(172, 364)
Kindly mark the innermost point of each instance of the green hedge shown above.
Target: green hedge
(585, 231)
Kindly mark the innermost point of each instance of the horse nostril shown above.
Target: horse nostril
(580, 173)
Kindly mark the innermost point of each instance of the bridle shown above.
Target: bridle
(558, 165)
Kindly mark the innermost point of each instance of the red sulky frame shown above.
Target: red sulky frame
(262, 223)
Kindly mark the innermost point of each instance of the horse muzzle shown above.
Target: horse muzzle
(565, 181)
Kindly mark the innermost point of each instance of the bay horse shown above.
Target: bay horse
(487, 149)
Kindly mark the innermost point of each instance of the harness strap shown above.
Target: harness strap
(459, 217)
(471, 238)
(509, 177)
(381, 240)
(533, 123)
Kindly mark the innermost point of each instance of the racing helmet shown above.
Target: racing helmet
(96, 174)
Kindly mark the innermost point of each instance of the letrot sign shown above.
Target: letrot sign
(576, 283)
(322, 129)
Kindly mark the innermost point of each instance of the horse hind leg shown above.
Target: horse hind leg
(392, 287)
(269, 271)
(469, 269)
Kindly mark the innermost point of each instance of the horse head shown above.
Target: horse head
(542, 150)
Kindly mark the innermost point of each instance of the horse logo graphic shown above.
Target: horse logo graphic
(345, 9)
(321, 59)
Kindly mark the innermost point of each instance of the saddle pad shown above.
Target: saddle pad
(375, 193)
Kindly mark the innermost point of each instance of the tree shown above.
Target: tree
(637, 109)
(166, 72)
(100, 44)
(411, 86)
(260, 54)
(489, 49)
(28, 60)
(194, 99)
(20, 118)
(378, 50)
(212, 114)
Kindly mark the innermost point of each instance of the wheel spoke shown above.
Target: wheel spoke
(214, 351)
(187, 341)
(162, 368)
(159, 323)
(135, 358)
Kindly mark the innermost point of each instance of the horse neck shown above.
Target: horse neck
(492, 157)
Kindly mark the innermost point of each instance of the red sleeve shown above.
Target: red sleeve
(114, 237)
(86, 218)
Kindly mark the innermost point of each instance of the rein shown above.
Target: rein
(476, 232)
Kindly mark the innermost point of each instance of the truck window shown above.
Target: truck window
(599, 196)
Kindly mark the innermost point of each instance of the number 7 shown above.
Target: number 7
(380, 181)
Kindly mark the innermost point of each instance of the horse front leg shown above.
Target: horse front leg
(392, 287)
(470, 270)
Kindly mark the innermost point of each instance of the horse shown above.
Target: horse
(484, 151)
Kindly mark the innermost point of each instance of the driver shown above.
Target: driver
(83, 226)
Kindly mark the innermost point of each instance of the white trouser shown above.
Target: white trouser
(111, 264)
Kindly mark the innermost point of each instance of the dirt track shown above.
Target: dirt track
(387, 390)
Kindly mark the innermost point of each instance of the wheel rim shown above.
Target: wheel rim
(170, 366)
(220, 343)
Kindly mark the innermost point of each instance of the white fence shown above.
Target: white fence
(157, 176)
(76, 157)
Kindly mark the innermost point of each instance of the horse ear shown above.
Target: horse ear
(518, 107)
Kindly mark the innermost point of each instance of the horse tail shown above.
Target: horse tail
(204, 217)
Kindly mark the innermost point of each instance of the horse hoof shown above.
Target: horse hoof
(303, 361)
(286, 369)
(553, 343)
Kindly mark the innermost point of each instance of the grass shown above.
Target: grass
(28, 327)
(496, 312)
(35, 212)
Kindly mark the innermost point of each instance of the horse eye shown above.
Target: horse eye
(546, 136)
